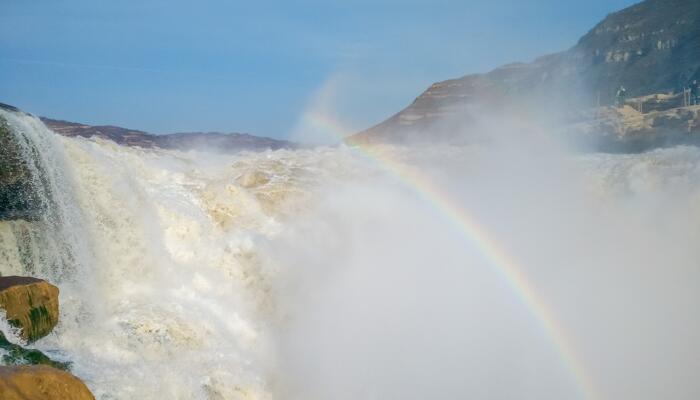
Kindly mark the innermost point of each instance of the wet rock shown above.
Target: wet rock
(15, 354)
(41, 383)
(16, 194)
(30, 304)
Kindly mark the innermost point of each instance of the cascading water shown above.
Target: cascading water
(49, 245)
(322, 274)
(155, 256)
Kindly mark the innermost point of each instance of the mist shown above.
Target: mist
(348, 272)
(383, 296)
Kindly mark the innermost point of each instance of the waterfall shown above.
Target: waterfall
(323, 274)
(44, 238)
(155, 260)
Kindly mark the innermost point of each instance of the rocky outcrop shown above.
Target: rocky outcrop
(41, 383)
(31, 305)
(652, 47)
(220, 142)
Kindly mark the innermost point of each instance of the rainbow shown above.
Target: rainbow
(499, 260)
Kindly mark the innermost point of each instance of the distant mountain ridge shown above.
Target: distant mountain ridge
(221, 142)
(651, 47)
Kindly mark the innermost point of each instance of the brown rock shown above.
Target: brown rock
(30, 304)
(39, 382)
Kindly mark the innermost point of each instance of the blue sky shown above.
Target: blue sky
(256, 66)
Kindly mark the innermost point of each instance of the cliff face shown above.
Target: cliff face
(651, 47)
(221, 142)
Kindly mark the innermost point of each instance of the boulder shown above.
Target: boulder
(40, 382)
(30, 304)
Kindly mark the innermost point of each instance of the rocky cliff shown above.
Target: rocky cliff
(652, 47)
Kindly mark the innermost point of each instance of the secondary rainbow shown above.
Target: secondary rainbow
(499, 260)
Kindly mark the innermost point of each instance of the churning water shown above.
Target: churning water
(324, 274)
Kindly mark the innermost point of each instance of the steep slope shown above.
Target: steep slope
(651, 47)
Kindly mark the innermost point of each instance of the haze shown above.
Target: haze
(174, 66)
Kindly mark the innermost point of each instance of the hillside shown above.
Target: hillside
(222, 142)
(652, 47)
